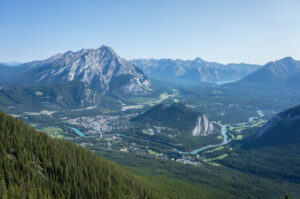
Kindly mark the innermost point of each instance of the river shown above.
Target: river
(225, 141)
(79, 133)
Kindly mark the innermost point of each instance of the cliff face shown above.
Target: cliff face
(203, 127)
(177, 116)
(101, 69)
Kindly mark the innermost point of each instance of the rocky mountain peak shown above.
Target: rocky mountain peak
(101, 69)
(286, 60)
(198, 60)
(108, 50)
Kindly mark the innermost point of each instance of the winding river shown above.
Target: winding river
(225, 141)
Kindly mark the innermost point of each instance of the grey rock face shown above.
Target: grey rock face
(196, 70)
(101, 69)
(203, 127)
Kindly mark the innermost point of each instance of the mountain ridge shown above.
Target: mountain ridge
(273, 151)
(283, 72)
(284, 128)
(100, 68)
(195, 71)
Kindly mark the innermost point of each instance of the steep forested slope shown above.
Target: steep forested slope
(274, 151)
(33, 165)
(61, 96)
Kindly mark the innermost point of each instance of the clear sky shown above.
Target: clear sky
(252, 31)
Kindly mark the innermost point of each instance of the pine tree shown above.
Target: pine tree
(3, 190)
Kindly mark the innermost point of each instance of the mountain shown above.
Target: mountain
(282, 73)
(8, 71)
(101, 69)
(273, 151)
(3, 71)
(13, 63)
(60, 96)
(193, 71)
(33, 165)
(282, 129)
(177, 116)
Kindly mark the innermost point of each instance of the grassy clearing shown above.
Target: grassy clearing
(216, 149)
(56, 131)
(257, 123)
(231, 128)
(232, 136)
(38, 93)
(214, 164)
(152, 152)
(239, 129)
(239, 137)
(220, 137)
(217, 158)
(150, 100)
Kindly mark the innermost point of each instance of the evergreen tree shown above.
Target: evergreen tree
(33, 165)
(287, 196)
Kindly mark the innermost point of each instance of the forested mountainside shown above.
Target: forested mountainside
(176, 116)
(33, 165)
(273, 151)
(61, 96)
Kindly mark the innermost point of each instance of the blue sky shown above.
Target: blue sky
(253, 31)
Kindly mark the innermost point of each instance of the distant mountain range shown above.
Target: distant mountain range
(282, 73)
(101, 69)
(104, 71)
(13, 63)
(193, 71)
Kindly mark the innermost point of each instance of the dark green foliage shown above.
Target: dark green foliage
(282, 129)
(211, 182)
(174, 115)
(215, 100)
(178, 121)
(281, 162)
(62, 96)
(287, 196)
(274, 151)
(33, 165)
